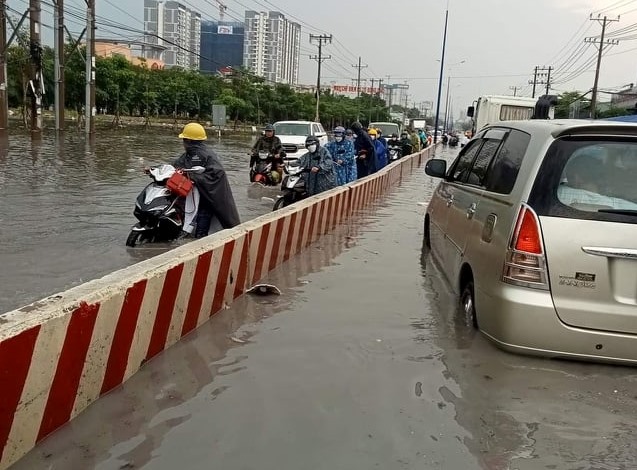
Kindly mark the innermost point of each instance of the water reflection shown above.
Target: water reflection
(67, 205)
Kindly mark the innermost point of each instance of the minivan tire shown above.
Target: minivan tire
(427, 233)
(468, 303)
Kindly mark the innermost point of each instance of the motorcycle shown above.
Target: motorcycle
(453, 141)
(261, 170)
(393, 153)
(293, 186)
(161, 206)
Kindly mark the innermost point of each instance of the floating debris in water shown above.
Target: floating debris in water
(264, 289)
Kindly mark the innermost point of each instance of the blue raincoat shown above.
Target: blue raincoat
(381, 153)
(325, 178)
(344, 151)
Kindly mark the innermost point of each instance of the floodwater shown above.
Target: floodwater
(363, 362)
(67, 206)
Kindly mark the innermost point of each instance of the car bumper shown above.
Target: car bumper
(525, 321)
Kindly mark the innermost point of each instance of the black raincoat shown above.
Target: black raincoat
(213, 184)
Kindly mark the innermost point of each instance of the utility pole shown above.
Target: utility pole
(358, 82)
(515, 90)
(534, 82)
(89, 107)
(373, 81)
(4, 102)
(380, 87)
(321, 39)
(37, 81)
(538, 75)
(58, 40)
(602, 42)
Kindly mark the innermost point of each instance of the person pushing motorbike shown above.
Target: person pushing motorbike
(270, 144)
(213, 185)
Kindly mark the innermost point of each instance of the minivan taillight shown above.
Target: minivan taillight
(525, 263)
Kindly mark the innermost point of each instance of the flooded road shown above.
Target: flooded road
(363, 362)
(67, 207)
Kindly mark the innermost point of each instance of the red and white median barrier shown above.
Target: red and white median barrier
(59, 355)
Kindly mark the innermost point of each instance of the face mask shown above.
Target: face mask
(311, 148)
(373, 137)
(338, 138)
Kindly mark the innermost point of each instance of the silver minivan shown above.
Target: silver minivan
(535, 227)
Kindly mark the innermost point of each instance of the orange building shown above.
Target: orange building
(114, 47)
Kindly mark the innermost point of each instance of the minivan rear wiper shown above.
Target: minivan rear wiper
(619, 211)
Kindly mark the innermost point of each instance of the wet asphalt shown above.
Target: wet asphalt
(363, 362)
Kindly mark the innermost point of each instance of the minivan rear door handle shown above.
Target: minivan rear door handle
(471, 210)
(626, 253)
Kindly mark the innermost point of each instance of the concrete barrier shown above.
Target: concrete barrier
(60, 354)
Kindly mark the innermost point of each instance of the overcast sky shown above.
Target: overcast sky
(501, 41)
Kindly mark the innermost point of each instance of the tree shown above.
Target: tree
(568, 98)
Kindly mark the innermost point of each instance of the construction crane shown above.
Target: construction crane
(222, 9)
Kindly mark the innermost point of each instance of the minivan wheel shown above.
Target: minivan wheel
(468, 303)
(427, 233)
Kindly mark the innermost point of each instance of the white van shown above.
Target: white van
(294, 133)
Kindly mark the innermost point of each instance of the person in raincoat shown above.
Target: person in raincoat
(320, 175)
(342, 152)
(381, 150)
(366, 162)
(216, 200)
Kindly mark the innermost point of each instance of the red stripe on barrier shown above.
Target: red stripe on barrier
(263, 246)
(242, 272)
(290, 237)
(16, 354)
(199, 283)
(299, 242)
(222, 278)
(276, 243)
(165, 311)
(69, 369)
(123, 337)
(315, 209)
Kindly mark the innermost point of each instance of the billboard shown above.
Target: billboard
(224, 29)
(351, 90)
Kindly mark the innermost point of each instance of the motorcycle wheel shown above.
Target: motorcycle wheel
(134, 237)
(281, 202)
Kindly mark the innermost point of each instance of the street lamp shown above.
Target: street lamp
(442, 68)
(448, 88)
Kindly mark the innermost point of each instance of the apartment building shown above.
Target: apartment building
(177, 28)
(272, 46)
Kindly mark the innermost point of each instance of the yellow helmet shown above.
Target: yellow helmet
(372, 131)
(193, 131)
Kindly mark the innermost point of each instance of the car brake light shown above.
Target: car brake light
(525, 261)
(528, 237)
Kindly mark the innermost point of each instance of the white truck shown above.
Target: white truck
(490, 109)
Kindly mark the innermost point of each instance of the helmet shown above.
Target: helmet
(357, 126)
(269, 127)
(379, 130)
(394, 136)
(339, 130)
(372, 131)
(312, 139)
(193, 131)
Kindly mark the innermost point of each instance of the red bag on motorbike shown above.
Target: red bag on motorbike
(179, 184)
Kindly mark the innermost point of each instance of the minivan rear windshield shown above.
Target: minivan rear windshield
(588, 178)
(292, 129)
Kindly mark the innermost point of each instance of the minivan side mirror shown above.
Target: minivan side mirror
(436, 167)
(470, 111)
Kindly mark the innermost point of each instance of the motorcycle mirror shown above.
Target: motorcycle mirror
(197, 169)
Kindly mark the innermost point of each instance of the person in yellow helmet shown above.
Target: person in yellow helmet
(216, 200)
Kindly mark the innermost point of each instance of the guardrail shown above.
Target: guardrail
(60, 354)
